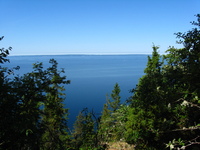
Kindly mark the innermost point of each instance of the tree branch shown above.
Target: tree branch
(192, 104)
(188, 129)
(191, 142)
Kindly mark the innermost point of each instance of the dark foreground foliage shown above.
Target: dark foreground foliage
(32, 113)
(165, 104)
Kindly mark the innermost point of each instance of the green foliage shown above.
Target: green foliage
(165, 101)
(105, 124)
(148, 90)
(4, 53)
(54, 115)
(32, 113)
(112, 122)
(114, 102)
(85, 133)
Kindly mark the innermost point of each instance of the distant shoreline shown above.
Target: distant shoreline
(82, 54)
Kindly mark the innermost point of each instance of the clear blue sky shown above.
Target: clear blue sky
(93, 26)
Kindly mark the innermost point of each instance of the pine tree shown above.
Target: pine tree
(146, 104)
(108, 127)
(165, 105)
(147, 91)
(105, 124)
(85, 134)
(114, 102)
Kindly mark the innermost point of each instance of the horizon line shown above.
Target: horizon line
(80, 54)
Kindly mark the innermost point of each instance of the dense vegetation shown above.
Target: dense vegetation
(163, 113)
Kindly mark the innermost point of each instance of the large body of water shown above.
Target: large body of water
(92, 77)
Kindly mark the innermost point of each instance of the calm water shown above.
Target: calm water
(92, 77)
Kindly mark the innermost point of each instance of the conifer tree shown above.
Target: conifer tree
(146, 104)
(165, 103)
(85, 135)
(108, 126)
(114, 102)
(105, 124)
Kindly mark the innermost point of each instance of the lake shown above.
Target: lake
(92, 77)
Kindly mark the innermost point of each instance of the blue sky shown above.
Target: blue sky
(93, 26)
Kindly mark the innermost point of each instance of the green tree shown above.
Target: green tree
(148, 109)
(109, 121)
(163, 103)
(147, 91)
(114, 102)
(31, 107)
(54, 115)
(186, 63)
(85, 130)
(104, 130)
(9, 108)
